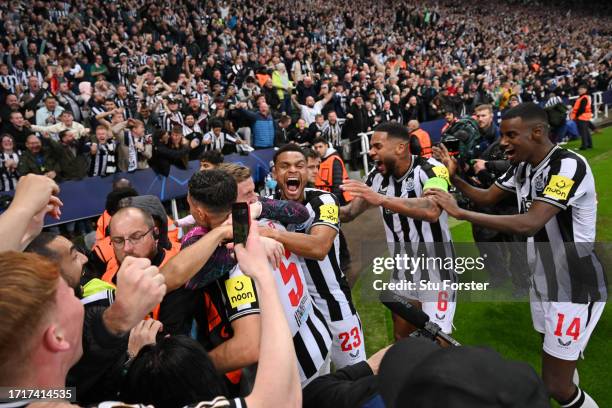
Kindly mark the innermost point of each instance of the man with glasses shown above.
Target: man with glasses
(133, 233)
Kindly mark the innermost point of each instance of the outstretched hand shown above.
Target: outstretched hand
(358, 188)
(441, 154)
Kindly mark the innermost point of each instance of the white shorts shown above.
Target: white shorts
(566, 326)
(348, 345)
(441, 312)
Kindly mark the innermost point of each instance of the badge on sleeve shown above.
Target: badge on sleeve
(442, 172)
(329, 213)
(240, 291)
(558, 187)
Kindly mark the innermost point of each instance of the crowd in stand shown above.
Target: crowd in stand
(127, 85)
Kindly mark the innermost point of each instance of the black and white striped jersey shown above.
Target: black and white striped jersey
(411, 236)
(104, 161)
(311, 337)
(333, 132)
(327, 283)
(172, 119)
(204, 98)
(561, 255)
(129, 106)
(9, 82)
(8, 176)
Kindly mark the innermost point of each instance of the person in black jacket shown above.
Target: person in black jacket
(107, 323)
(357, 121)
(169, 149)
(300, 134)
(508, 250)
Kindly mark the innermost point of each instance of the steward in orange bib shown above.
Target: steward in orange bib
(332, 171)
(420, 142)
(133, 233)
(582, 114)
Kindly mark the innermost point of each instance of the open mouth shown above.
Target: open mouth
(510, 152)
(293, 184)
(379, 166)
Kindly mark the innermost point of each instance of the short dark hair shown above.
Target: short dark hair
(320, 140)
(212, 156)
(113, 198)
(394, 129)
(290, 147)
(173, 372)
(40, 245)
(528, 111)
(215, 189)
(63, 133)
(216, 123)
(310, 153)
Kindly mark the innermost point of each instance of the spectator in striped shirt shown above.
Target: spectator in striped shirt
(7, 80)
(172, 116)
(103, 154)
(9, 159)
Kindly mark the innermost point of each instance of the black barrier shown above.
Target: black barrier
(85, 198)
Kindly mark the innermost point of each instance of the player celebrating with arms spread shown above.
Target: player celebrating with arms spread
(317, 245)
(557, 204)
(414, 225)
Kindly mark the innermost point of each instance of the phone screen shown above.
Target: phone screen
(240, 222)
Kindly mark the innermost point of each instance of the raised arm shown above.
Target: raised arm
(277, 382)
(353, 209)
(283, 211)
(184, 265)
(527, 224)
(35, 197)
(314, 245)
(417, 208)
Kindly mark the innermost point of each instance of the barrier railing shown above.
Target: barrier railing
(597, 101)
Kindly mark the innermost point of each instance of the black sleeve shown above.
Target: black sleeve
(348, 387)
(581, 107)
(337, 178)
(415, 146)
(97, 376)
(173, 154)
(176, 311)
(285, 212)
(32, 103)
(498, 167)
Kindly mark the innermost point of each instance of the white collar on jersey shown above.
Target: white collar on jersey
(407, 173)
(545, 159)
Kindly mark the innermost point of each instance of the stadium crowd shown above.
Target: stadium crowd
(141, 315)
(125, 85)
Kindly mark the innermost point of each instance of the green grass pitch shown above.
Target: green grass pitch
(507, 327)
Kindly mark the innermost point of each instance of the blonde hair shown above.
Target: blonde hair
(238, 172)
(28, 284)
(486, 107)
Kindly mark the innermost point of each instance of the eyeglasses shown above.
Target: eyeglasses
(133, 240)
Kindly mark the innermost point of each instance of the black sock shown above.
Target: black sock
(574, 401)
